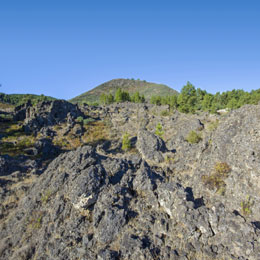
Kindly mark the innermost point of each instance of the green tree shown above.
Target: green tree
(137, 98)
(187, 99)
(121, 96)
(156, 100)
(207, 102)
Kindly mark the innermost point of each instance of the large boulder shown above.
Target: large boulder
(150, 146)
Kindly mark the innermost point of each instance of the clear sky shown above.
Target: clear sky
(63, 48)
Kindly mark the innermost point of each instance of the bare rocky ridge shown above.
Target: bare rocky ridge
(166, 198)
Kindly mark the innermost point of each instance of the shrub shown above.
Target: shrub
(213, 125)
(88, 120)
(169, 159)
(165, 113)
(126, 143)
(193, 137)
(79, 119)
(217, 177)
(159, 131)
(45, 197)
(222, 168)
(246, 206)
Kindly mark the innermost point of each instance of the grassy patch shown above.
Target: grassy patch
(35, 221)
(5, 106)
(96, 132)
(246, 206)
(15, 141)
(212, 126)
(45, 197)
(193, 137)
(165, 113)
(217, 178)
(88, 121)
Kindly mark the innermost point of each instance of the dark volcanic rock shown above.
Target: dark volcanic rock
(49, 113)
(4, 165)
(20, 111)
(8, 164)
(78, 208)
(46, 149)
(201, 202)
(150, 146)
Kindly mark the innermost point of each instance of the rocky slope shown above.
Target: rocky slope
(130, 85)
(168, 197)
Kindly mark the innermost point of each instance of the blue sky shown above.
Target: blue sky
(63, 48)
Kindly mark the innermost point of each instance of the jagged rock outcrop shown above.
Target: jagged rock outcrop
(20, 111)
(8, 164)
(49, 113)
(88, 206)
(167, 199)
(150, 146)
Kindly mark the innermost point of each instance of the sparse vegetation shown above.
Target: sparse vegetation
(159, 130)
(165, 113)
(216, 179)
(79, 119)
(88, 121)
(45, 197)
(126, 143)
(169, 159)
(96, 132)
(213, 125)
(15, 140)
(246, 206)
(145, 90)
(222, 168)
(35, 221)
(193, 137)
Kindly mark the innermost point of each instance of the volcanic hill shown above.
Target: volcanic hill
(145, 88)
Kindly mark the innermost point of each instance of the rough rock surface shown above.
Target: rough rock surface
(49, 113)
(165, 200)
(150, 146)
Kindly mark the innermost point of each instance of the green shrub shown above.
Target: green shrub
(159, 130)
(165, 113)
(45, 197)
(246, 206)
(222, 168)
(217, 178)
(79, 119)
(126, 143)
(213, 125)
(193, 137)
(88, 121)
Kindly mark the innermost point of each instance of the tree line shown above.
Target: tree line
(121, 96)
(18, 99)
(190, 99)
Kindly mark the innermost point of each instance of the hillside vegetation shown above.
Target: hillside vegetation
(130, 85)
(19, 99)
(191, 100)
